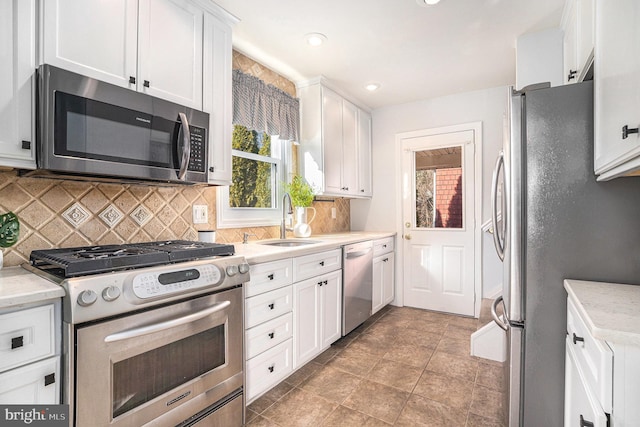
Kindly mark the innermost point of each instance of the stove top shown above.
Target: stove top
(82, 261)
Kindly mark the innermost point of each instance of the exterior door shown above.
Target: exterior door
(438, 221)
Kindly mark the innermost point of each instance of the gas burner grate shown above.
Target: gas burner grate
(80, 261)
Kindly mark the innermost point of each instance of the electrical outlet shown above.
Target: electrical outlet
(200, 214)
(333, 213)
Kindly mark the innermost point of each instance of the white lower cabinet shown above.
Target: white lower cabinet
(317, 312)
(383, 273)
(602, 379)
(268, 342)
(30, 355)
(37, 383)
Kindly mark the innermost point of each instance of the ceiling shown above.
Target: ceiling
(414, 52)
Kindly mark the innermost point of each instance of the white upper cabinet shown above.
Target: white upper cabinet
(153, 46)
(578, 25)
(217, 94)
(170, 51)
(335, 142)
(617, 88)
(17, 63)
(365, 185)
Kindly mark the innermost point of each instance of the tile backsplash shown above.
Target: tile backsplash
(61, 213)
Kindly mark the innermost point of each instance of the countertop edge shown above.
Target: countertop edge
(606, 333)
(19, 287)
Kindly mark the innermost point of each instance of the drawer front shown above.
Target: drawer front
(581, 407)
(269, 276)
(593, 357)
(308, 266)
(268, 369)
(26, 336)
(267, 335)
(37, 384)
(267, 306)
(383, 246)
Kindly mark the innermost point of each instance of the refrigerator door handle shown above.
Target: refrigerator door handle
(494, 314)
(498, 236)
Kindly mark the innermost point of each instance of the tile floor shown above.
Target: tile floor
(403, 367)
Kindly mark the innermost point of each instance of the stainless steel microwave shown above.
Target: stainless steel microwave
(89, 128)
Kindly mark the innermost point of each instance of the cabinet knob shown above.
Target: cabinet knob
(362, 190)
(212, 169)
(271, 368)
(577, 338)
(322, 263)
(17, 342)
(49, 379)
(271, 306)
(386, 259)
(146, 83)
(270, 277)
(585, 423)
(626, 131)
(132, 80)
(320, 283)
(572, 75)
(271, 335)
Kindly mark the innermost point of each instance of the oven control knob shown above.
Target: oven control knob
(87, 298)
(243, 268)
(232, 270)
(111, 293)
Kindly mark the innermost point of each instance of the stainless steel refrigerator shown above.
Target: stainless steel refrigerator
(556, 222)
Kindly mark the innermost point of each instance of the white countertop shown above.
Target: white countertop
(255, 252)
(610, 310)
(18, 286)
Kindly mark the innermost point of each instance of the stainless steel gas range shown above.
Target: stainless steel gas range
(152, 334)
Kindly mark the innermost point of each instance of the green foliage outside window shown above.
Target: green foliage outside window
(252, 179)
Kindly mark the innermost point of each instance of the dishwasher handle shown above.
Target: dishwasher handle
(357, 254)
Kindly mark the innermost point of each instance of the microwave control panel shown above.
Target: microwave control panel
(198, 149)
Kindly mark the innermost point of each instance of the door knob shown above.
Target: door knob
(407, 236)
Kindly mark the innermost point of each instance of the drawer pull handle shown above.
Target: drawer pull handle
(322, 263)
(585, 423)
(272, 306)
(132, 80)
(49, 379)
(270, 277)
(626, 131)
(17, 342)
(271, 368)
(146, 83)
(386, 259)
(271, 335)
(577, 338)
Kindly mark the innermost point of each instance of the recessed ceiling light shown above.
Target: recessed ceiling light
(315, 39)
(372, 87)
(427, 2)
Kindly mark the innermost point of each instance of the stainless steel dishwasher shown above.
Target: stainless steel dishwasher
(357, 273)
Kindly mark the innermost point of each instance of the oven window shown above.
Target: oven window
(148, 375)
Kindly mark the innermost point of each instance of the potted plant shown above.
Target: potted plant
(301, 197)
(9, 232)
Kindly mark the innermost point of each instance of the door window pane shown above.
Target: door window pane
(438, 185)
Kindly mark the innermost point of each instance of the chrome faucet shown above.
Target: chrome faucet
(245, 237)
(283, 225)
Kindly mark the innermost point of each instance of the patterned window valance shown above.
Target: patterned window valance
(264, 108)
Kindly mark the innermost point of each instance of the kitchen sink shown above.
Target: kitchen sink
(289, 242)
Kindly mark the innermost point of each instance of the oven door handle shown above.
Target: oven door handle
(168, 324)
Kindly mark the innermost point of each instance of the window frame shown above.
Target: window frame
(228, 217)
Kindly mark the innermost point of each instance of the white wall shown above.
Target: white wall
(382, 212)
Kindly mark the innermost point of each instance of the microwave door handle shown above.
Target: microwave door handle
(498, 239)
(186, 147)
(167, 324)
